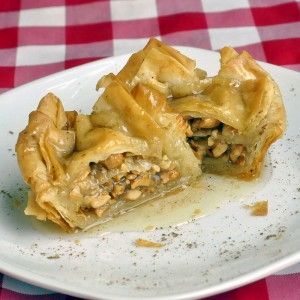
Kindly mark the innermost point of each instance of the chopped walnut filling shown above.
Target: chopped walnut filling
(133, 195)
(207, 139)
(237, 154)
(205, 123)
(123, 177)
(170, 175)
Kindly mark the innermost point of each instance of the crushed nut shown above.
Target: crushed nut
(205, 123)
(165, 164)
(219, 149)
(97, 201)
(119, 177)
(237, 154)
(202, 133)
(210, 141)
(156, 168)
(167, 176)
(133, 195)
(142, 180)
(118, 190)
(215, 133)
(99, 211)
(131, 176)
(114, 161)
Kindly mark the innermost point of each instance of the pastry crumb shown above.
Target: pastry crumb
(150, 228)
(56, 256)
(196, 213)
(147, 244)
(16, 203)
(259, 208)
(77, 242)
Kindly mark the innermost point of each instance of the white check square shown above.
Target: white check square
(234, 37)
(125, 46)
(221, 5)
(48, 16)
(131, 10)
(38, 55)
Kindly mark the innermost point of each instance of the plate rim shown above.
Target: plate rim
(236, 282)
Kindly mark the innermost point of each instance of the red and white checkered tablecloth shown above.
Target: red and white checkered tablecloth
(38, 38)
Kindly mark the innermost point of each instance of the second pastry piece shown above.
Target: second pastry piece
(235, 118)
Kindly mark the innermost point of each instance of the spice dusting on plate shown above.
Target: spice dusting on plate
(259, 208)
(56, 256)
(147, 244)
(5, 193)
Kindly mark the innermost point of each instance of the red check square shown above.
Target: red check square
(7, 75)
(9, 37)
(182, 22)
(88, 33)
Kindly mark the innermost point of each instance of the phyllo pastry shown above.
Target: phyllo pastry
(85, 169)
(157, 124)
(163, 68)
(235, 118)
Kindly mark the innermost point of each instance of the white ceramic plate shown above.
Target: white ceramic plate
(212, 254)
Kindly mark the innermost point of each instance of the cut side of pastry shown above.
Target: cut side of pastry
(235, 118)
(144, 112)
